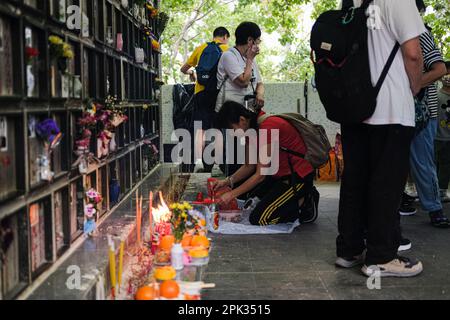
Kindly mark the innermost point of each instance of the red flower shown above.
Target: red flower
(31, 52)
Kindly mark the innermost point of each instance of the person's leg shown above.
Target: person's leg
(281, 203)
(352, 203)
(443, 161)
(423, 168)
(388, 167)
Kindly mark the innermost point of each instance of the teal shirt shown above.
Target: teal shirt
(443, 133)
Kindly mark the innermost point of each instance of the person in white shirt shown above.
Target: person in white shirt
(239, 78)
(376, 152)
(238, 75)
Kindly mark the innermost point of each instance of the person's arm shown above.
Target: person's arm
(244, 79)
(251, 182)
(433, 61)
(413, 60)
(188, 70)
(260, 89)
(437, 71)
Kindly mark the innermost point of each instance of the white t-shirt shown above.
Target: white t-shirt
(390, 21)
(232, 65)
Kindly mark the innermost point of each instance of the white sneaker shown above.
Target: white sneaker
(444, 196)
(400, 267)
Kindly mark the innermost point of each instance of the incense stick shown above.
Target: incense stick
(150, 214)
(122, 245)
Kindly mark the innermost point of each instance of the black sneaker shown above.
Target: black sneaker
(406, 208)
(439, 219)
(309, 211)
(350, 262)
(405, 244)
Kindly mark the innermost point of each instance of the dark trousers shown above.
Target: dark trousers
(443, 163)
(279, 200)
(203, 112)
(376, 168)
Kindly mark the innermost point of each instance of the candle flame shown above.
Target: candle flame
(162, 213)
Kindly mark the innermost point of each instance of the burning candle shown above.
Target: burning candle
(112, 266)
(138, 227)
(161, 217)
(150, 214)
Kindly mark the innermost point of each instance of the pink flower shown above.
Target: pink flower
(92, 194)
(89, 210)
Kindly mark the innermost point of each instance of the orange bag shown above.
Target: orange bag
(328, 172)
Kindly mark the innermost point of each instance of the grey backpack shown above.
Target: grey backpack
(317, 144)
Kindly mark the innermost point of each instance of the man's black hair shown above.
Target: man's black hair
(231, 113)
(246, 30)
(221, 32)
(447, 64)
(421, 5)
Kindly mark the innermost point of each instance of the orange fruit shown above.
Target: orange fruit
(165, 273)
(146, 293)
(186, 242)
(199, 253)
(202, 222)
(167, 242)
(169, 289)
(200, 241)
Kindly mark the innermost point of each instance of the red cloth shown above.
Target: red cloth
(289, 138)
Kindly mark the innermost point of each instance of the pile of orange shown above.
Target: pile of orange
(146, 293)
(166, 242)
(169, 289)
(195, 241)
(165, 273)
(200, 241)
(186, 242)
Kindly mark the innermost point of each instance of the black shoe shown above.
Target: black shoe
(405, 244)
(439, 219)
(407, 208)
(350, 262)
(309, 211)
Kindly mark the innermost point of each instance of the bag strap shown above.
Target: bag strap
(261, 119)
(386, 68)
(366, 4)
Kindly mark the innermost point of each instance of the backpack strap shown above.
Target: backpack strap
(386, 68)
(365, 4)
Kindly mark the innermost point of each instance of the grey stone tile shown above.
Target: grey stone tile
(283, 280)
(232, 280)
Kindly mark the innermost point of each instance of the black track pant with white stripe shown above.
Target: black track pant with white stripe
(279, 202)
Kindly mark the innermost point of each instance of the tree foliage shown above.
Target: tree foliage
(285, 48)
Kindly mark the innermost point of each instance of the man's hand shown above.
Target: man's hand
(226, 198)
(260, 101)
(217, 185)
(252, 52)
(193, 76)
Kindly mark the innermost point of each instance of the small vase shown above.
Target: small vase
(176, 256)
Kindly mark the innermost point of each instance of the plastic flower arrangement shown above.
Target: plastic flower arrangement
(60, 52)
(116, 114)
(181, 220)
(31, 53)
(49, 131)
(93, 198)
